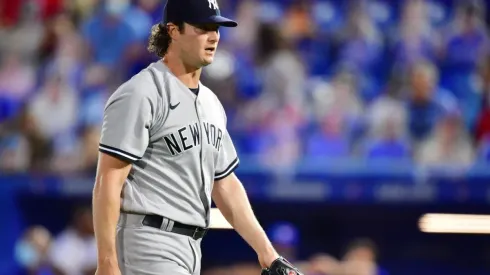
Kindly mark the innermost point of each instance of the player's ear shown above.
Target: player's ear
(173, 31)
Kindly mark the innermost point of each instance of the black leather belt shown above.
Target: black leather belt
(194, 232)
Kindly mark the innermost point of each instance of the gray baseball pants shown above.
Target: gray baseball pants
(144, 250)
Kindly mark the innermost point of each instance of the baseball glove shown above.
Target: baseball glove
(281, 266)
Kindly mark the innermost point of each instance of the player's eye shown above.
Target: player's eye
(208, 27)
(213, 28)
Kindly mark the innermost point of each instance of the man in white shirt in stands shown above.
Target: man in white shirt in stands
(74, 251)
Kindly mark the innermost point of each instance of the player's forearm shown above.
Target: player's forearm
(230, 197)
(106, 205)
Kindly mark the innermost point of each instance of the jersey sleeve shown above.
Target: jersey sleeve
(227, 158)
(126, 126)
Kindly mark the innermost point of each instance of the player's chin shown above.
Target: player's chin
(207, 60)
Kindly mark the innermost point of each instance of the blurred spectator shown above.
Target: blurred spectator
(23, 146)
(94, 94)
(360, 258)
(82, 9)
(483, 126)
(278, 143)
(358, 267)
(139, 18)
(415, 38)
(242, 44)
(14, 153)
(449, 144)
(24, 37)
(360, 39)
(300, 31)
(467, 42)
(17, 80)
(426, 102)
(62, 49)
(322, 264)
(245, 269)
(386, 119)
(360, 43)
(285, 238)
(220, 77)
(338, 111)
(31, 251)
(95, 90)
(389, 143)
(74, 251)
(330, 140)
(54, 108)
(282, 71)
(277, 114)
(10, 12)
(54, 114)
(339, 97)
(297, 22)
(49, 8)
(109, 36)
(244, 36)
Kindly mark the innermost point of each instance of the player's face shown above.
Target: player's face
(198, 44)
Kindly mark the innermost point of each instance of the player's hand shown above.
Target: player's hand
(281, 266)
(108, 268)
(266, 259)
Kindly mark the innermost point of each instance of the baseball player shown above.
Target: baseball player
(165, 153)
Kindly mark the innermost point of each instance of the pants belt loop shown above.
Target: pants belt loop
(123, 219)
(164, 224)
(170, 225)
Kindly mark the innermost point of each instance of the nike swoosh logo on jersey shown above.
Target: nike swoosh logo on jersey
(173, 106)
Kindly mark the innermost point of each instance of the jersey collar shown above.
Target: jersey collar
(160, 66)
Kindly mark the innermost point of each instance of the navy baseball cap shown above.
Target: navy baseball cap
(195, 12)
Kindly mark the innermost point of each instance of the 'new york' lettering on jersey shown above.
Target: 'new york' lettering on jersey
(188, 137)
(176, 153)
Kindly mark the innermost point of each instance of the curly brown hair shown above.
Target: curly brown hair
(160, 39)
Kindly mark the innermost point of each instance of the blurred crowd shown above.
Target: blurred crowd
(73, 251)
(360, 256)
(361, 79)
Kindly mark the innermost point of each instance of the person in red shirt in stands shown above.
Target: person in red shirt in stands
(483, 126)
(10, 12)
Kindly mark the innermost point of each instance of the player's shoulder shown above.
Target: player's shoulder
(139, 86)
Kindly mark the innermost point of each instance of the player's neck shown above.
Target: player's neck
(189, 76)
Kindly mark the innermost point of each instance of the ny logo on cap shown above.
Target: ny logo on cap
(213, 4)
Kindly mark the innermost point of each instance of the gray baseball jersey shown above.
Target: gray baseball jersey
(176, 140)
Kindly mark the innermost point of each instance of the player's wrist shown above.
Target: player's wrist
(267, 256)
(107, 259)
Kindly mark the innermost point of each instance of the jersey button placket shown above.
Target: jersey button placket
(202, 117)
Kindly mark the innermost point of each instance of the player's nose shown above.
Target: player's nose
(213, 36)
